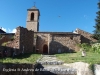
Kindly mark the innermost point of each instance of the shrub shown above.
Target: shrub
(96, 47)
(4, 44)
(0, 36)
(12, 38)
(85, 46)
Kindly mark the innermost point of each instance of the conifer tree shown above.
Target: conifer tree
(96, 34)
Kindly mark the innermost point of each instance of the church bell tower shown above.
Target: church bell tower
(33, 19)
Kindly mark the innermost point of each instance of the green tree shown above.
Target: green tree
(96, 34)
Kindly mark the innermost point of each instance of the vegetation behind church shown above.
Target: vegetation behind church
(97, 25)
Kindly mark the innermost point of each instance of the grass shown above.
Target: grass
(26, 58)
(90, 58)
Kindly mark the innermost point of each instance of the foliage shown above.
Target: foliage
(0, 36)
(26, 58)
(85, 46)
(96, 47)
(96, 34)
(12, 38)
(4, 44)
(90, 58)
(35, 35)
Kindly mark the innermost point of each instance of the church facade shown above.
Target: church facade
(30, 39)
(54, 42)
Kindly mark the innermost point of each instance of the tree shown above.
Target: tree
(96, 34)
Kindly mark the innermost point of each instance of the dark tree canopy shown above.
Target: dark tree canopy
(97, 25)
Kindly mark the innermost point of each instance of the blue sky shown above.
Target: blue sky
(73, 14)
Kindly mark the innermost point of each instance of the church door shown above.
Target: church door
(45, 49)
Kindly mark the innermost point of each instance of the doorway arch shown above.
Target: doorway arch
(45, 49)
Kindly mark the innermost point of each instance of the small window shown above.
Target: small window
(32, 16)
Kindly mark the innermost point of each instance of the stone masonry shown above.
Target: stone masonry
(34, 23)
(65, 42)
(23, 41)
(4, 39)
(86, 36)
(42, 39)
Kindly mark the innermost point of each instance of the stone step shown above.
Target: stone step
(49, 60)
(49, 55)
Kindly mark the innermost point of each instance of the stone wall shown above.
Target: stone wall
(5, 38)
(26, 40)
(8, 49)
(42, 39)
(23, 41)
(86, 37)
(64, 43)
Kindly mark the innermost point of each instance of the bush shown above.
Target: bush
(0, 36)
(12, 38)
(4, 44)
(96, 47)
(85, 46)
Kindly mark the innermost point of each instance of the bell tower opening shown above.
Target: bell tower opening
(32, 16)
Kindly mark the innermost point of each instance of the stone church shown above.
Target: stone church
(30, 39)
(54, 42)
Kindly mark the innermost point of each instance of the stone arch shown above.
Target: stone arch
(32, 16)
(45, 49)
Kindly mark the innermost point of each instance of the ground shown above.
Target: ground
(65, 57)
(76, 57)
(27, 58)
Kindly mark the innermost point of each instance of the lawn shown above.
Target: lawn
(76, 57)
(66, 57)
(26, 58)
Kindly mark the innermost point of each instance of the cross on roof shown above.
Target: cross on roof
(34, 3)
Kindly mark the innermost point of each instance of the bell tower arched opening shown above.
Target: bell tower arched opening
(32, 16)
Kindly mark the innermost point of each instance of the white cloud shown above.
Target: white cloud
(8, 30)
(13, 31)
(4, 29)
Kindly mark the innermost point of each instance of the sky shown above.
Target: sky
(55, 15)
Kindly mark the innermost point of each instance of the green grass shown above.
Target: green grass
(26, 58)
(90, 58)
(76, 57)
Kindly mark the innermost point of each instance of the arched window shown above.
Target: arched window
(32, 16)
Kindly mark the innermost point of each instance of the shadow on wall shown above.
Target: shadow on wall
(13, 53)
(6, 51)
(85, 40)
(56, 47)
(41, 45)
